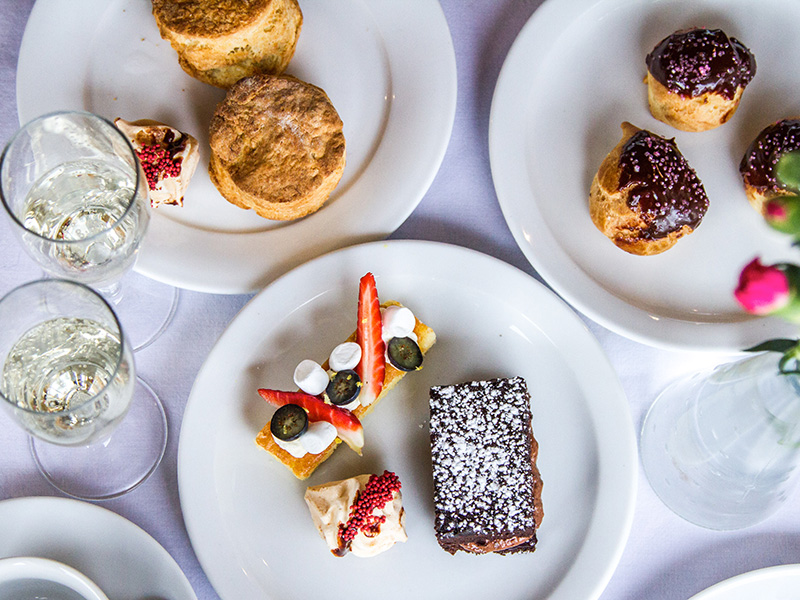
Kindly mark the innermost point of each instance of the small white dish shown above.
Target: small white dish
(116, 554)
(35, 577)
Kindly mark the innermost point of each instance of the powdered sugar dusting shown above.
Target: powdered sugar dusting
(482, 464)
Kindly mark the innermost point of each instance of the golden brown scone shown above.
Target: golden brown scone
(757, 167)
(221, 41)
(303, 467)
(645, 196)
(277, 146)
(695, 78)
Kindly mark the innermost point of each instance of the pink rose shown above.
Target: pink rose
(763, 289)
(775, 211)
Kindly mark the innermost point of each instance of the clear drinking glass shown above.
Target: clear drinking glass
(77, 196)
(721, 448)
(68, 379)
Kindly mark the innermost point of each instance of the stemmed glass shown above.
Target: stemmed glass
(68, 378)
(77, 197)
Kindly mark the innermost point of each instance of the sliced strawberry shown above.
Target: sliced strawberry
(348, 427)
(372, 367)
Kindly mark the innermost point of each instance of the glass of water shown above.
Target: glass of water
(68, 379)
(77, 197)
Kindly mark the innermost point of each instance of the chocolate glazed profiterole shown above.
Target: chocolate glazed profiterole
(761, 157)
(695, 78)
(645, 195)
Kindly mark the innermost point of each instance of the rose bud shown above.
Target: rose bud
(770, 290)
(783, 214)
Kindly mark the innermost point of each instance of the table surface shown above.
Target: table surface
(665, 557)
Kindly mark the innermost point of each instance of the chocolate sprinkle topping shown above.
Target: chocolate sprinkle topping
(663, 189)
(761, 157)
(693, 62)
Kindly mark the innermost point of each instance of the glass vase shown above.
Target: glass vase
(721, 448)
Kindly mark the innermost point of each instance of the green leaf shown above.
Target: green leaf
(777, 345)
(787, 171)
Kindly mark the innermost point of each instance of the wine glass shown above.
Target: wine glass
(77, 196)
(68, 379)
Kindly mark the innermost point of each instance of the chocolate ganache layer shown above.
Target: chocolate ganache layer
(761, 157)
(661, 185)
(696, 61)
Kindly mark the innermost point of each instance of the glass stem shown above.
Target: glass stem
(112, 292)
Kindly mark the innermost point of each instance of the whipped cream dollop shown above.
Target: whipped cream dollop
(316, 438)
(330, 505)
(310, 377)
(398, 321)
(345, 356)
(168, 156)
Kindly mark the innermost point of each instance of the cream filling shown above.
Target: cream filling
(146, 132)
(330, 504)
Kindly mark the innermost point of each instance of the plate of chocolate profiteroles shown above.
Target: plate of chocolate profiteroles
(633, 148)
(314, 124)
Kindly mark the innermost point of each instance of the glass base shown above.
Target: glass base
(116, 465)
(144, 306)
(702, 453)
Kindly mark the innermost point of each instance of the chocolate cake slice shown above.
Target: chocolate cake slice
(487, 488)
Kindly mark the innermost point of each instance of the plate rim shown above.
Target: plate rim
(568, 279)
(790, 571)
(621, 476)
(129, 528)
(239, 272)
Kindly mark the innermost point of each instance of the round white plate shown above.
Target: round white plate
(117, 555)
(491, 320)
(771, 583)
(572, 76)
(387, 65)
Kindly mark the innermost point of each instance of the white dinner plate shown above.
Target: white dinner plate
(772, 583)
(122, 559)
(387, 65)
(574, 73)
(245, 512)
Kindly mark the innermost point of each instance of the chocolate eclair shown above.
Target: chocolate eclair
(645, 195)
(761, 158)
(695, 78)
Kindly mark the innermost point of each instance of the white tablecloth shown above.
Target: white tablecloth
(665, 557)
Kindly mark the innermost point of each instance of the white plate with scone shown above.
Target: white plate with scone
(574, 74)
(245, 511)
(394, 92)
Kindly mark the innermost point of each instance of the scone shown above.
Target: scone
(757, 167)
(645, 196)
(221, 41)
(277, 146)
(695, 78)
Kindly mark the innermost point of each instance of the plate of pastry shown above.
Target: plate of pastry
(337, 128)
(781, 582)
(615, 150)
(499, 459)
